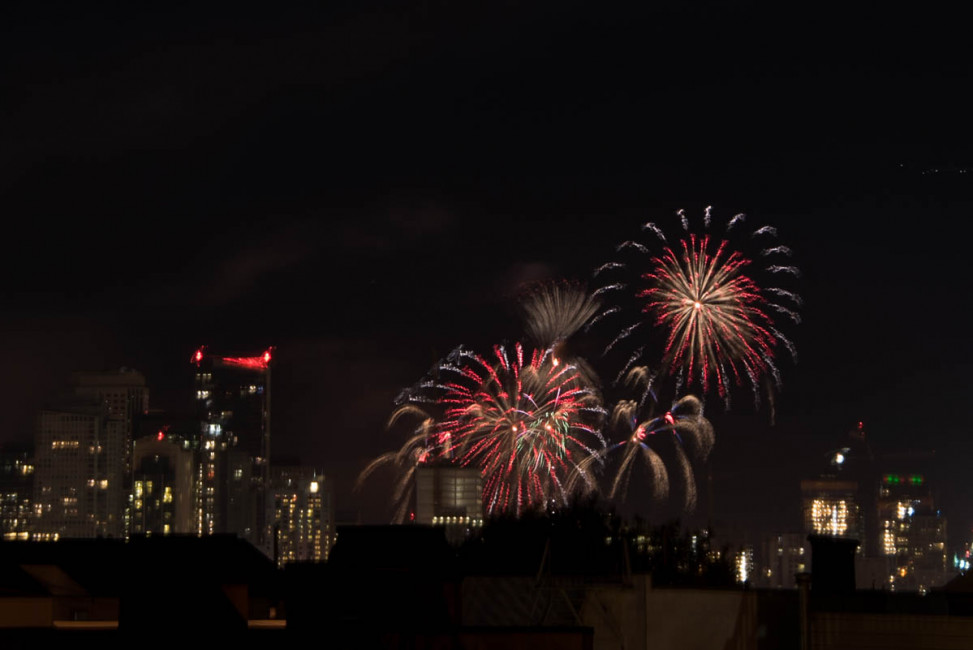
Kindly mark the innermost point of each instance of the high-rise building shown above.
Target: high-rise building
(913, 533)
(187, 433)
(16, 492)
(831, 508)
(162, 486)
(838, 503)
(72, 478)
(744, 565)
(83, 456)
(451, 496)
(233, 403)
(884, 501)
(303, 514)
(854, 460)
(125, 397)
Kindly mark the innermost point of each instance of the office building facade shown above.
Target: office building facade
(304, 528)
(450, 496)
(831, 507)
(124, 396)
(913, 533)
(77, 492)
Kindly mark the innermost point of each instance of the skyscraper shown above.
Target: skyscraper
(303, 514)
(831, 507)
(83, 447)
(162, 487)
(233, 402)
(72, 478)
(838, 502)
(884, 501)
(125, 398)
(913, 533)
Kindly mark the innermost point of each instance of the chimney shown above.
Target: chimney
(832, 565)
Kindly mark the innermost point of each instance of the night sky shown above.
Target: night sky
(367, 185)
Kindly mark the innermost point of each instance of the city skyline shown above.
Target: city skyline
(366, 192)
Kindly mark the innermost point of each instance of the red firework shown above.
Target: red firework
(713, 313)
(526, 426)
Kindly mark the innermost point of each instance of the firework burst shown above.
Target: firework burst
(685, 434)
(527, 422)
(715, 306)
(525, 425)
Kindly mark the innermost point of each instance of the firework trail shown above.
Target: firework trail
(712, 304)
(417, 449)
(686, 435)
(553, 313)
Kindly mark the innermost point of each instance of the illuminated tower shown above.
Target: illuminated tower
(913, 533)
(831, 508)
(303, 515)
(233, 471)
(743, 565)
(839, 502)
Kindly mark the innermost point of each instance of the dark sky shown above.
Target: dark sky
(368, 184)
